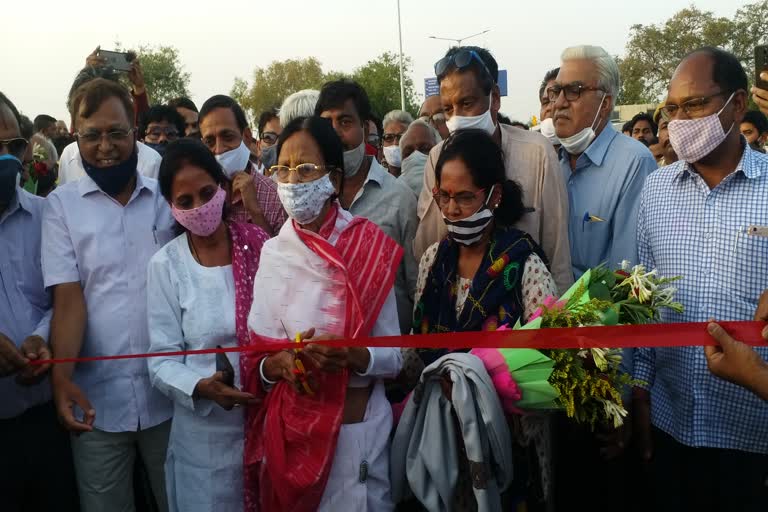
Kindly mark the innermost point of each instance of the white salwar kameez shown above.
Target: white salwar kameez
(193, 307)
(295, 285)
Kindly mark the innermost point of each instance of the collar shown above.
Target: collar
(86, 185)
(375, 173)
(753, 164)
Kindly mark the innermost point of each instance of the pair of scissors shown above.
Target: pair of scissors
(300, 371)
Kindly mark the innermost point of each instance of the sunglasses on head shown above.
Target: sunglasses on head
(16, 146)
(461, 60)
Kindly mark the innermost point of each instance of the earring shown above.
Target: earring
(495, 206)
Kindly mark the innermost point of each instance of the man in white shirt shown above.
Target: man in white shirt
(99, 234)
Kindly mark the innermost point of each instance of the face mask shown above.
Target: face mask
(577, 143)
(469, 230)
(482, 122)
(113, 179)
(303, 202)
(10, 176)
(548, 130)
(203, 220)
(353, 160)
(160, 147)
(235, 160)
(693, 139)
(416, 162)
(269, 156)
(392, 155)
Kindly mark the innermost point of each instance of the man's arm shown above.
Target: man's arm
(553, 232)
(431, 227)
(737, 362)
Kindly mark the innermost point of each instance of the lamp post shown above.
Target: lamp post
(459, 40)
(400, 36)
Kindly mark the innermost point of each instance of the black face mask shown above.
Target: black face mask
(160, 147)
(113, 179)
(10, 171)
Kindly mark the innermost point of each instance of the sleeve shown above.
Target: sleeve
(644, 358)
(553, 235)
(425, 265)
(538, 284)
(169, 374)
(408, 271)
(431, 227)
(385, 362)
(43, 328)
(624, 245)
(58, 257)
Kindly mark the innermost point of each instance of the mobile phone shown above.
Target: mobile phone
(761, 65)
(223, 365)
(118, 61)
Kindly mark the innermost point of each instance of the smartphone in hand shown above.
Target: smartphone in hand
(119, 61)
(761, 65)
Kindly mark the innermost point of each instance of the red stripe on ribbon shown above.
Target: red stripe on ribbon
(621, 336)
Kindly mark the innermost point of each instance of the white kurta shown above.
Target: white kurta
(295, 285)
(193, 307)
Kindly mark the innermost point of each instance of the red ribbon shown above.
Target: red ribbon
(621, 336)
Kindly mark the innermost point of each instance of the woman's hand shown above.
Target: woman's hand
(334, 359)
(213, 388)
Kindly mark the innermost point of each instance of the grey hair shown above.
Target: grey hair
(397, 116)
(607, 69)
(431, 129)
(298, 104)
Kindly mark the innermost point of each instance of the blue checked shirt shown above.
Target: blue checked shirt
(717, 240)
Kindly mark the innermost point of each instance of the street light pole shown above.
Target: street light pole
(400, 36)
(458, 41)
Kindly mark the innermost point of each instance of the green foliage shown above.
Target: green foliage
(271, 85)
(654, 51)
(381, 79)
(164, 73)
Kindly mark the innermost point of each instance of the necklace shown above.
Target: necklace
(192, 248)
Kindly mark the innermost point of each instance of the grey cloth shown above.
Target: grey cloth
(425, 451)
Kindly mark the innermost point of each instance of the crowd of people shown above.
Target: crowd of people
(166, 228)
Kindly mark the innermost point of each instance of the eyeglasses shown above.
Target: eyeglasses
(461, 60)
(117, 136)
(269, 137)
(434, 119)
(572, 91)
(692, 108)
(16, 146)
(306, 172)
(389, 138)
(463, 199)
(156, 132)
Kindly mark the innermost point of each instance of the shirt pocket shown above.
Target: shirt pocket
(751, 261)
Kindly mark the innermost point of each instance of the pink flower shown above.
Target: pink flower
(550, 303)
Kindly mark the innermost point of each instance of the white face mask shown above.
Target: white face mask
(577, 143)
(353, 160)
(547, 129)
(303, 202)
(470, 229)
(235, 160)
(693, 139)
(392, 155)
(482, 122)
(416, 162)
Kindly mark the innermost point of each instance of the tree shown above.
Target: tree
(164, 73)
(654, 51)
(381, 79)
(271, 85)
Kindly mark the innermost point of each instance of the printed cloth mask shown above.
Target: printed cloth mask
(203, 220)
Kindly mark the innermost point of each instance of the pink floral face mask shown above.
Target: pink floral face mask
(204, 220)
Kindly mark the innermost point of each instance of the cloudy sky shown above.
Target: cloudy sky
(44, 43)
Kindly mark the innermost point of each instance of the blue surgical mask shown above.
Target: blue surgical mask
(160, 147)
(10, 174)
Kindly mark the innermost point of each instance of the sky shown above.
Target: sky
(41, 50)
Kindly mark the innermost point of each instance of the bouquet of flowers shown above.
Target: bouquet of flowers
(588, 383)
(37, 168)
